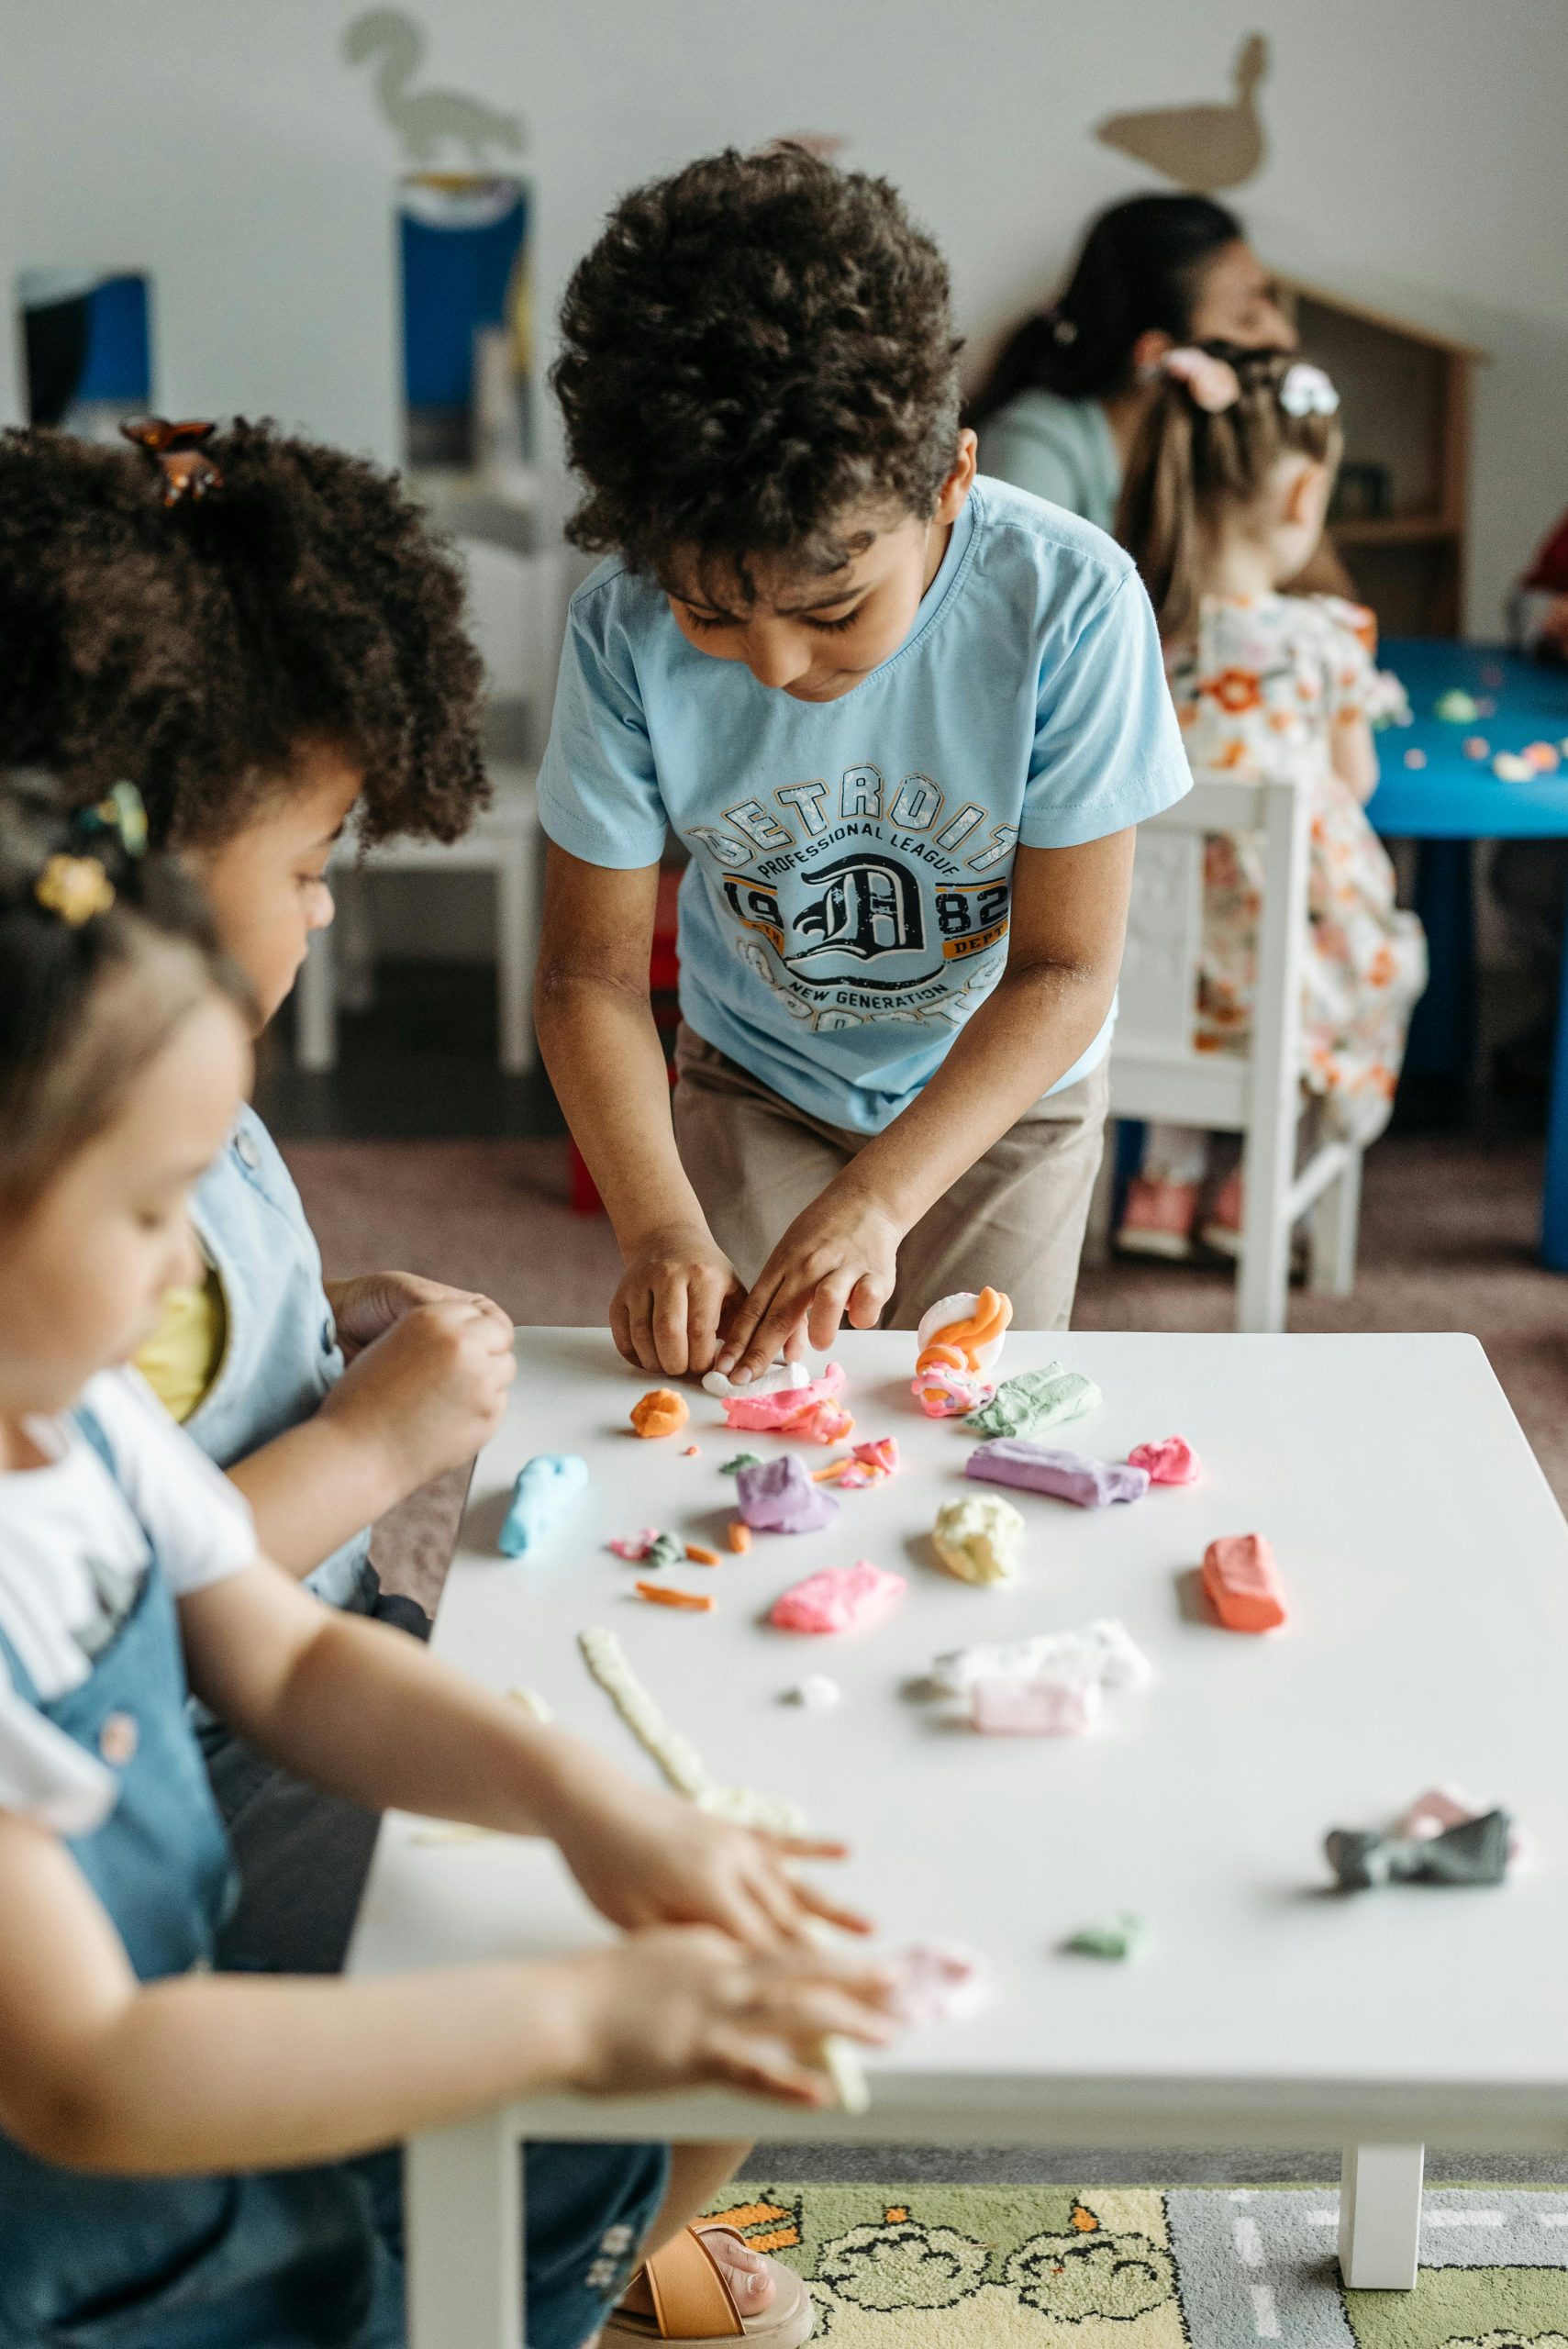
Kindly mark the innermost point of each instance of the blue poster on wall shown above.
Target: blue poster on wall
(463, 243)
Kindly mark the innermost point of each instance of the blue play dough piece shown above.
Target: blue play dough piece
(546, 1489)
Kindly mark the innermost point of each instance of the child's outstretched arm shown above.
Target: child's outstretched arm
(838, 1258)
(596, 1032)
(273, 2072)
(371, 1714)
(424, 1391)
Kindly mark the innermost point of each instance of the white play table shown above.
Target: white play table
(1427, 1565)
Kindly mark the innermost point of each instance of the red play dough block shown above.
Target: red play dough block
(1242, 1583)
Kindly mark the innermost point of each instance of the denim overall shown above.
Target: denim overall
(288, 2259)
(281, 1356)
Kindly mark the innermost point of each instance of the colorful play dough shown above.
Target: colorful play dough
(1456, 708)
(977, 1538)
(1103, 1651)
(868, 1463)
(936, 1982)
(545, 1487)
(1173, 1461)
(1439, 1808)
(660, 1412)
(1476, 1851)
(783, 1378)
(778, 1496)
(733, 1466)
(1122, 1936)
(676, 1756)
(663, 1594)
(841, 1599)
(1066, 1476)
(812, 1411)
(958, 1341)
(1241, 1581)
(1009, 1708)
(1036, 1399)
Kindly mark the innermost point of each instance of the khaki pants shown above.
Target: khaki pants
(1015, 1220)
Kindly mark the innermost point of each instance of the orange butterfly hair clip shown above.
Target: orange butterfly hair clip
(177, 451)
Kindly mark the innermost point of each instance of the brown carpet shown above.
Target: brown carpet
(1448, 1239)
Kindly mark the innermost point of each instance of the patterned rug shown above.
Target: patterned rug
(1139, 2268)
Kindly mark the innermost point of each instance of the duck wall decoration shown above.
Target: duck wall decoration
(424, 122)
(1204, 148)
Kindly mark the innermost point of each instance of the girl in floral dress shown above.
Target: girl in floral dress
(1225, 497)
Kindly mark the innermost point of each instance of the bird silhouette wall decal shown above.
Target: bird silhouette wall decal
(424, 122)
(1204, 148)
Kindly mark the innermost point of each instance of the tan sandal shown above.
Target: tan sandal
(695, 2308)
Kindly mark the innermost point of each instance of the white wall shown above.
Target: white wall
(1416, 150)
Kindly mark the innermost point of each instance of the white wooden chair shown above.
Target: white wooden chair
(1157, 1073)
(514, 611)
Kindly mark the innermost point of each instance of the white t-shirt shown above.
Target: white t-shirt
(73, 1557)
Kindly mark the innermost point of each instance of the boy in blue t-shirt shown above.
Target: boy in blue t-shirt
(903, 720)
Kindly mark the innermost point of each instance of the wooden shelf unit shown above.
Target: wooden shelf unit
(1406, 394)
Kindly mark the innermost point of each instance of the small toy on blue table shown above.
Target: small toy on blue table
(548, 1486)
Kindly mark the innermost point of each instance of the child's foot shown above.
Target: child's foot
(1158, 1219)
(1222, 1225)
(743, 2282)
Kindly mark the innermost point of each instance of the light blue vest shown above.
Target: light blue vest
(281, 1355)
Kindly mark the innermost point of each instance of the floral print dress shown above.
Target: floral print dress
(1257, 697)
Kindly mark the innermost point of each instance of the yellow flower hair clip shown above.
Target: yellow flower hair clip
(75, 887)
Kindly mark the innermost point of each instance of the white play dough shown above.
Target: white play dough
(676, 1756)
(1103, 1650)
(782, 1379)
(814, 1694)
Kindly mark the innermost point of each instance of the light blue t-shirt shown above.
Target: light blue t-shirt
(846, 908)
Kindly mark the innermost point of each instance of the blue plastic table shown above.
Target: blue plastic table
(1454, 800)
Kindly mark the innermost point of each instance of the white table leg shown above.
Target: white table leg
(462, 2211)
(1380, 2217)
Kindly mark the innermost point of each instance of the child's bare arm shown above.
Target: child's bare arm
(596, 1032)
(363, 1710)
(273, 2073)
(1354, 755)
(1069, 915)
(420, 1398)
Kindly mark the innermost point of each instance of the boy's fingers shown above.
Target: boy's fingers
(849, 1920)
(868, 1296)
(669, 1329)
(827, 1311)
(749, 1315)
(782, 1316)
(744, 2066)
(807, 1847)
(644, 1354)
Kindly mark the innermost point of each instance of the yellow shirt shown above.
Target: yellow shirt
(180, 1359)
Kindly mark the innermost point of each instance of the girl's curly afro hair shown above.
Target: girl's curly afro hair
(754, 349)
(197, 649)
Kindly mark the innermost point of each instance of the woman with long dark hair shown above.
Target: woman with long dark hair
(1061, 406)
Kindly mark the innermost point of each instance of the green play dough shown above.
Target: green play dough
(741, 1460)
(1036, 1399)
(1457, 707)
(1119, 1936)
(663, 1551)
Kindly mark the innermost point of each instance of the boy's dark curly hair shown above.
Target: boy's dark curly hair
(196, 650)
(754, 348)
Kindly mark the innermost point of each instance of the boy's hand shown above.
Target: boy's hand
(838, 1258)
(429, 1393)
(645, 1858)
(365, 1307)
(675, 1294)
(688, 2008)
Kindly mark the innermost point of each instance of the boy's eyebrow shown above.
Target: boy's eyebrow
(784, 611)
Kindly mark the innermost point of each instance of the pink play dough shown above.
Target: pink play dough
(1007, 1707)
(1242, 1583)
(811, 1411)
(937, 1982)
(841, 1599)
(1171, 1461)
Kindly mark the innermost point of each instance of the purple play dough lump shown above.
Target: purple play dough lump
(1067, 1475)
(778, 1496)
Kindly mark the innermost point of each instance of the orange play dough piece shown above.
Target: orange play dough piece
(662, 1596)
(660, 1412)
(701, 1557)
(740, 1533)
(1242, 1583)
